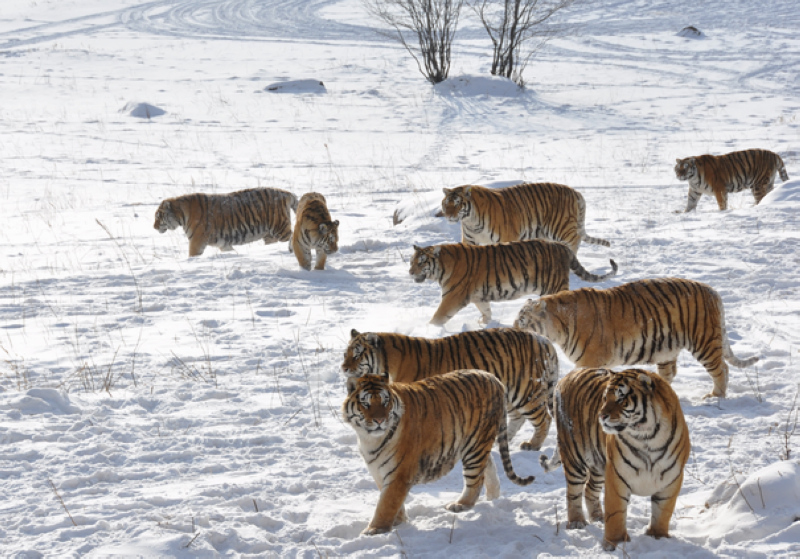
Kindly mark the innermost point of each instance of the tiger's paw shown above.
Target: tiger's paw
(657, 534)
(610, 545)
(455, 506)
(576, 524)
(373, 531)
(527, 445)
(714, 394)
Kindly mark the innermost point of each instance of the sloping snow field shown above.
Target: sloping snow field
(156, 405)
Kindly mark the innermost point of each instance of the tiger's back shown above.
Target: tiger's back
(720, 175)
(646, 321)
(526, 364)
(517, 213)
(623, 430)
(314, 230)
(226, 220)
(503, 272)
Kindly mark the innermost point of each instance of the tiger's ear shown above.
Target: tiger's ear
(166, 206)
(323, 229)
(352, 384)
(354, 333)
(416, 248)
(336, 223)
(468, 191)
(373, 340)
(647, 382)
(437, 250)
(447, 191)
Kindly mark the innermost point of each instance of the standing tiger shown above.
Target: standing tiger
(718, 175)
(480, 274)
(542, 210)
(624, 430)
(645, 321)
(415, 433)
(225, 220)
(314, 229)
(526, 364)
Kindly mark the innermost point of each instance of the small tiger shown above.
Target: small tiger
(526, 364)
(718, 175)
(225, 220)
(314, 229)
(645, 321)
(542, 210)
(416, 433)
(624, 430)
(480, 274)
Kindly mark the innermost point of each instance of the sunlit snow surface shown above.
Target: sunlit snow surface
(156, 405)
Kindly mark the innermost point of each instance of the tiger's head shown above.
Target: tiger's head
(457, 203)
(328, 236)
(533, 316)
(167, 216)
(425, 263)
(625, 400)
(686, 169)
(371, 408)
(362, 356)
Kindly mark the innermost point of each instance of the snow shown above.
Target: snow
(190, 407)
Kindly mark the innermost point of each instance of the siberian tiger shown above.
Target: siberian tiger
(526, 364)
(717, 175)
(645, 321)
(224, 220)
(416, 433)
(314, 229)
(542, 210)
(624, 430)
(480, 274)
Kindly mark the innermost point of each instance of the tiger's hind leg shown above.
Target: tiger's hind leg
(762, 189)
(474, 467)
(535, 411)
(491, 481)
(711, 358)
(576, 481)
(668, 370)
(591, 494)
(515, 422)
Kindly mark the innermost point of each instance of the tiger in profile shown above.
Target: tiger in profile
(480, 274)
(225, 220)
(542, 210)
(526, 364)
(416, 433)
(645, 321)
(624, 430)
(314, 229)
(719, 175)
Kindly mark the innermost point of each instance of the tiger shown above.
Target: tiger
(503, 272)
(719, 175)
(624, 430)
(314, 229)
(645, 321)
(542, 210)
(415, 433)
(225, 220)
(526, 364)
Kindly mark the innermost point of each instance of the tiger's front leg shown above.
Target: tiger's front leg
(616, 504)
(691, 202)
(390, 505)
(321, 259)
(448, 308)
(662, 505)
(197, 245)
(303, 257)
(486, 311)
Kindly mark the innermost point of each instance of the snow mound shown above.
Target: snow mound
(691, 32)
(473, 86)
(43, 400)
(297, 86)
(142, 110)
(763, 503)
(787, 192)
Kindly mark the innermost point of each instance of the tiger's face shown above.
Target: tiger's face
(424, 263)
(362, 357)
(533, 317)
(166, 220)
(685, 169)
(371, 408)
(456, 204)
(624, 401)
(328, 238)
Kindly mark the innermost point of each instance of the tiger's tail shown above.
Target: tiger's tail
(548, 465)
(581, 272)
(594, 240)
(727, 353)
(782, 170)
(502, 439)
(582, 226)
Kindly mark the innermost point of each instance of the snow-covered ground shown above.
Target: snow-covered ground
(156, 405)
